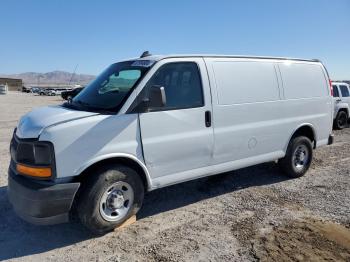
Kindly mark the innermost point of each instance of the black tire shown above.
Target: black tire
(288, 163)
(69, 99)
(341, 120)
(92, 190)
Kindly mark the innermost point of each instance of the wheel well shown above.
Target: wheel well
(116, 160)
(344, 110)
(306, 131)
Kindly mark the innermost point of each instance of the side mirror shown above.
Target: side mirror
(156, 97)
(151, 99)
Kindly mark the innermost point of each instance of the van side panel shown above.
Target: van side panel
(303, 80)
(307, 98)
(254, 115)
(246, 109)
(245, 82)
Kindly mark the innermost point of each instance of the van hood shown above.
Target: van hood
(33, 123)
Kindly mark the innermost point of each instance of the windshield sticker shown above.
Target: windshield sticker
(143, 63)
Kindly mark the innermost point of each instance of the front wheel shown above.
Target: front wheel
(298, 157)
(109, 197)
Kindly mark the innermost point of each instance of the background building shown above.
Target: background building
(12, 83)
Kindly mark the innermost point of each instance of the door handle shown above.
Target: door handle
(207, 118)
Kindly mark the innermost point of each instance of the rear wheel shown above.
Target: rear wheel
(109, 197)
(298, 157)
(341, 120)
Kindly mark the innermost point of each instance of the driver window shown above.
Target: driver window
(182, 85)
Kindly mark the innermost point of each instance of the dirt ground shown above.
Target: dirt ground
(252, 214)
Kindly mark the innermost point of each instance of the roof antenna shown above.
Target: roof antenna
(71, 78)
(145, 54)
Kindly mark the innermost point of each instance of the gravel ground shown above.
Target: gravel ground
(250, 214)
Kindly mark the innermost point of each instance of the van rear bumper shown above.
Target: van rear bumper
(330, 139)
(39, 203)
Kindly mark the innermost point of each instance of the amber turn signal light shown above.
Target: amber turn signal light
(42, 172)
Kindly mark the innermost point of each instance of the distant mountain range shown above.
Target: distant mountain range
(52, 78)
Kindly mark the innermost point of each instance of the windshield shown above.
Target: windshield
(112, 87)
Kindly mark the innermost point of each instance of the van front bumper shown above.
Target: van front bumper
(40, 203)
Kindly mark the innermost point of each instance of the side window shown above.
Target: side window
(344, 91)
(335, 91)
(182, 85)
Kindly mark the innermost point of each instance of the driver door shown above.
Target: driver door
(177, 138)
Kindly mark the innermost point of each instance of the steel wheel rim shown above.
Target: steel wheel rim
(116, 201)
(301, 157)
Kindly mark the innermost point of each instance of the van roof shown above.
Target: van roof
(160, 57)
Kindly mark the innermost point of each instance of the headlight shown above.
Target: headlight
(43, 154)
(34, 153)
(33, 158)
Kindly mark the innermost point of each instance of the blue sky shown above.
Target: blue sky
(41, 36)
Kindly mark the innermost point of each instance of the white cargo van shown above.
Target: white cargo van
(155, 121)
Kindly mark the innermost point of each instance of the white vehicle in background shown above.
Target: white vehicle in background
(3, 89)
(341, 94)
(56, 91)
(44, 91)
(52, 91)
(155, 121)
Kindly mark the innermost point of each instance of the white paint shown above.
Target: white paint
(240, 82)
(341, 102)
(256, 106)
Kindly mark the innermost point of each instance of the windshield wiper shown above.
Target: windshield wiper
(93, 108)
(82, 103)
